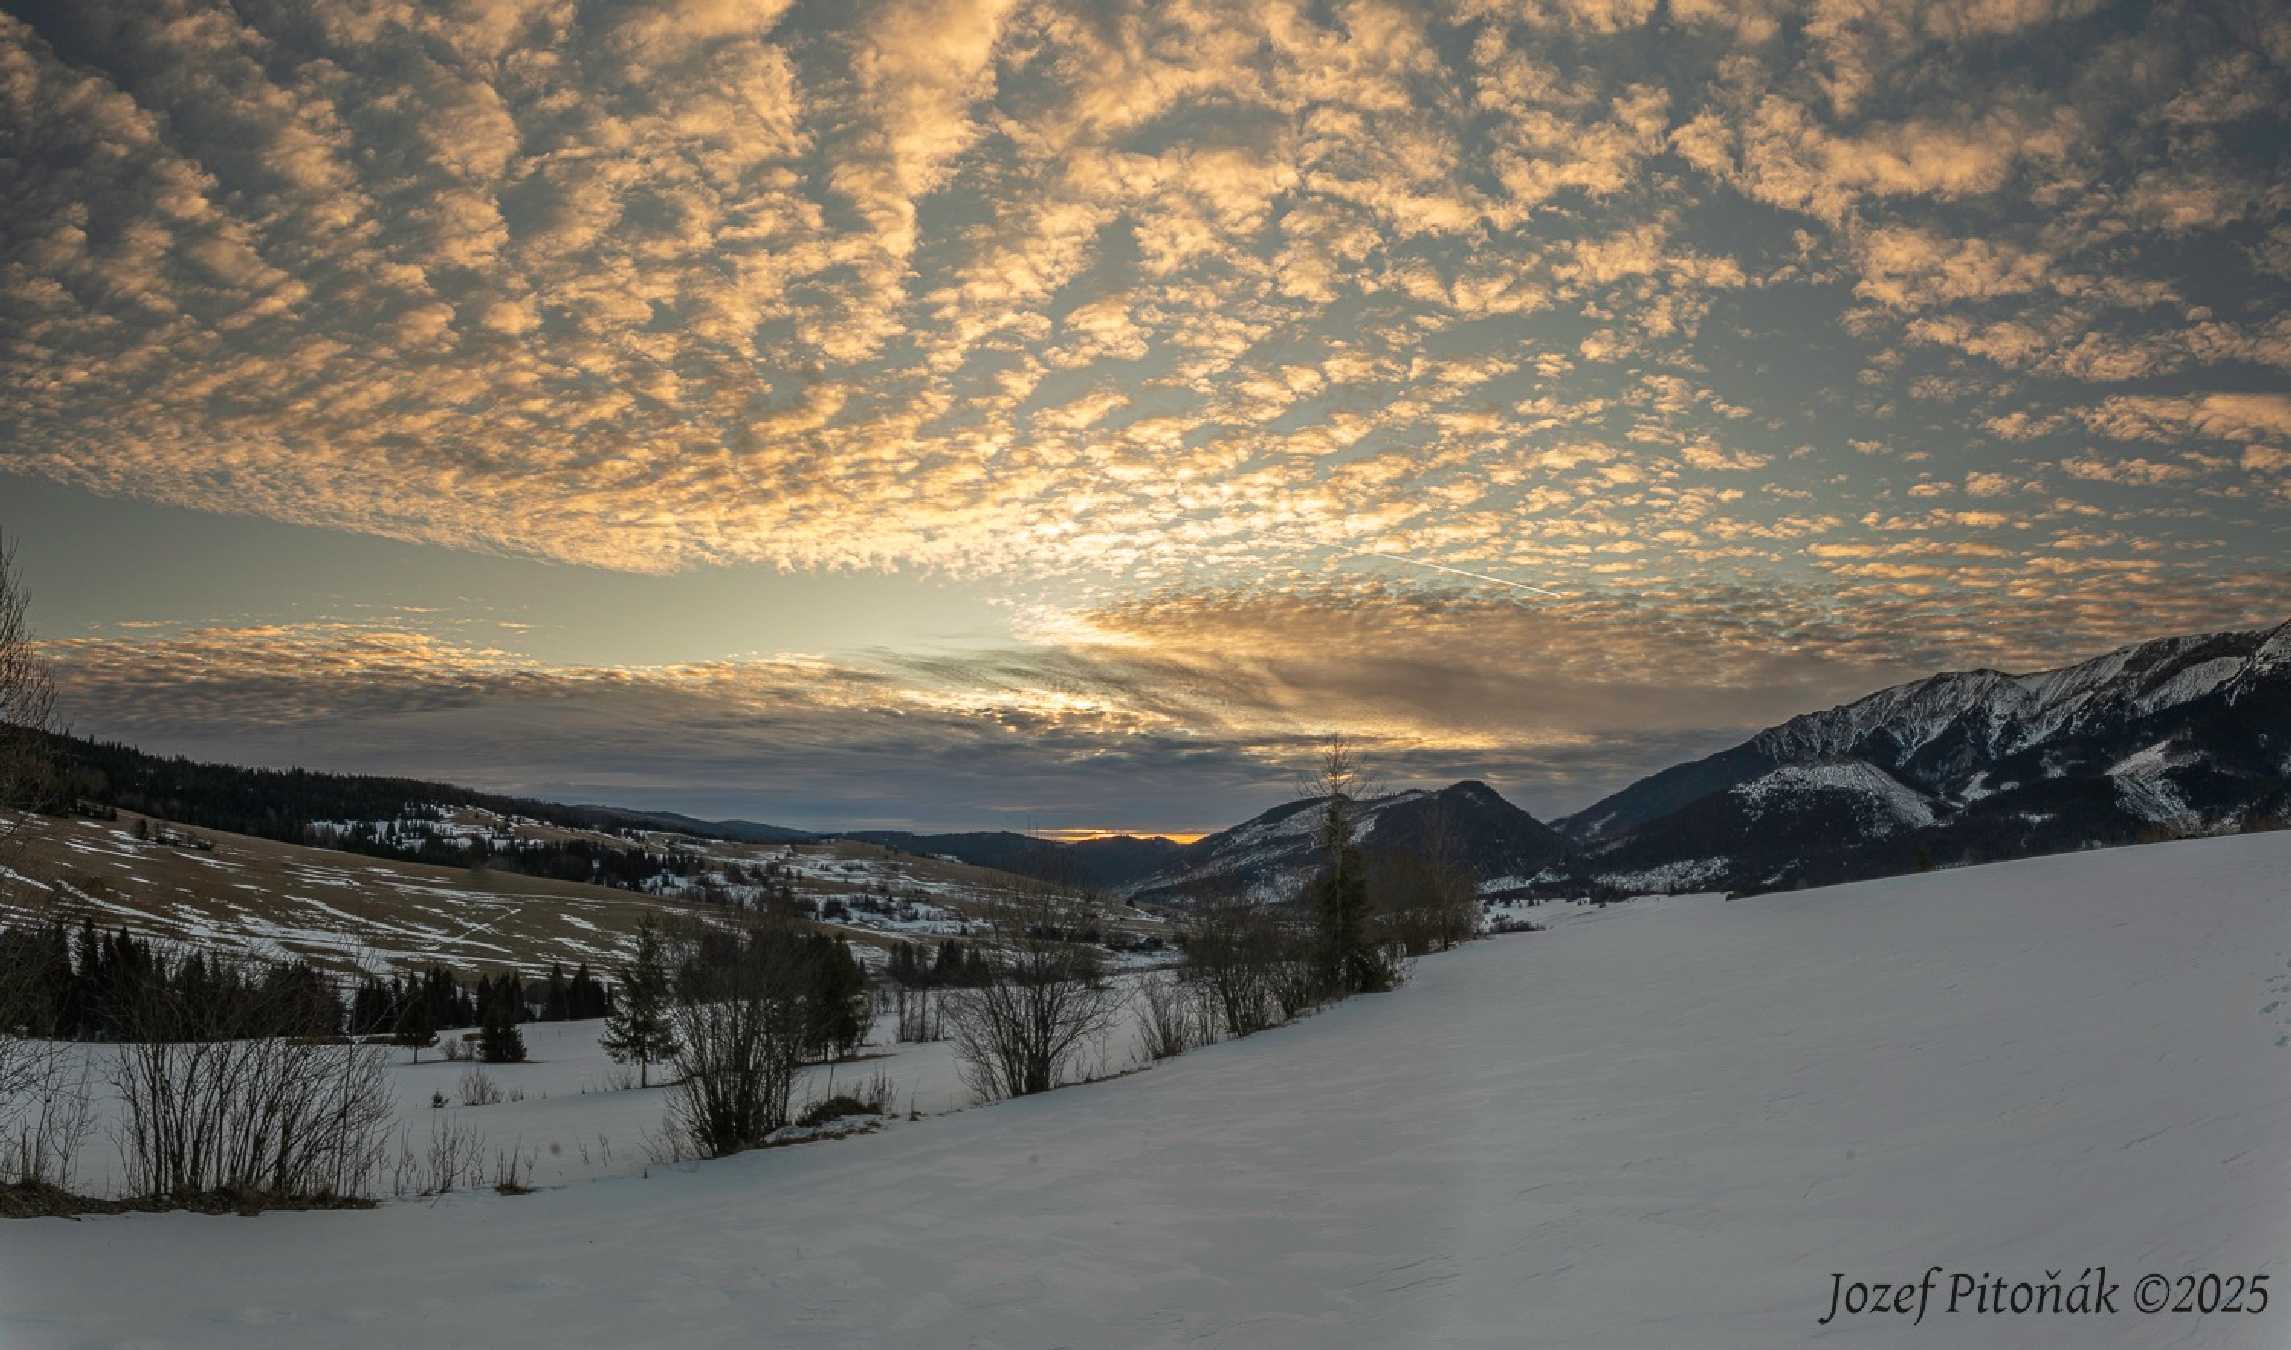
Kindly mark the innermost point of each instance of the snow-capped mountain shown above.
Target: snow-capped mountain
(2176, 736)
(1271, 856)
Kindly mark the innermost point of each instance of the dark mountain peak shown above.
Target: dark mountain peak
(1271, 854)
(1474, 789)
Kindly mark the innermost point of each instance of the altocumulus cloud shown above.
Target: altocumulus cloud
(1812, 341)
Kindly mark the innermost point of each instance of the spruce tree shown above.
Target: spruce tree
(637, 1024)
(414, 1029)
(1349, 959)
(498, 1039)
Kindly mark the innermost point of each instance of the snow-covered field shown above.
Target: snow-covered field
(1663, 1123)
(568, 1112)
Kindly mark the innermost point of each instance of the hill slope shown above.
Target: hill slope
(336, 910)
(342, 911)
(1109, 862)
(1660, 1123)
(1272, 855)
(282, 804)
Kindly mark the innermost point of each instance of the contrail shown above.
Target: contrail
(1458, 571)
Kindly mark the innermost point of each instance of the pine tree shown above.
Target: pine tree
(835, 997)
(1350, 962)
(498, 1039)
(637, 1025)
(414, 1029)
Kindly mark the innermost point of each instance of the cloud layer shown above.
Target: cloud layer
(1859, 335)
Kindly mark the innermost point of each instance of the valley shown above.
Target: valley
(1660, 1122)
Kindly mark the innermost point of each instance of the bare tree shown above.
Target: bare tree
(1043, 999)
(738, 1019)
(43, 1086)
(1232, 950)
(27, 707)
(1454, 885)
(1425, 894)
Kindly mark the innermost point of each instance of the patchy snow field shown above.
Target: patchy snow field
(337, 910)
(1662, 1123)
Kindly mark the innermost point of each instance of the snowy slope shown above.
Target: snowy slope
(1886, 804)
(2180, 735)
(1273, 855)
(1943, 732)
(1663, 1123)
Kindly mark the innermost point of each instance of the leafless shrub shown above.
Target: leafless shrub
(208, 1108)
(1233, 950)
(47, 1120)
(1043, 1001)
(918, 1013)
(1168, 1015)
(513, 1171)
(449, 1160)
(668, 1147)
(249, 1117)
(1295, 981)
(479, 1089)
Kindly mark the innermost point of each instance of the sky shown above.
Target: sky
(998, 414)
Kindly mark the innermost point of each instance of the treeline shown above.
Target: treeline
(623, 868)
(738, 1013)
(97, 986)
(814, 971)
(952, 966)
(90, 984)
(284, 805)
(445, 1003)
(268, 803)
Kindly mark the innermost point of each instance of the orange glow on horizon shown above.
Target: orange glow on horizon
(1079, 835)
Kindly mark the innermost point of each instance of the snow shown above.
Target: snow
(1260, 844)
(1683, 875)
(2189, 684)
(2002, 714)
(1892, 805)
(1658, 1123)
(2153, 759)
(2145, 789)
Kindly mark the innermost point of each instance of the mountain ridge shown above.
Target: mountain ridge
(1272, 854)
(2173, 735)
(2169, 736)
